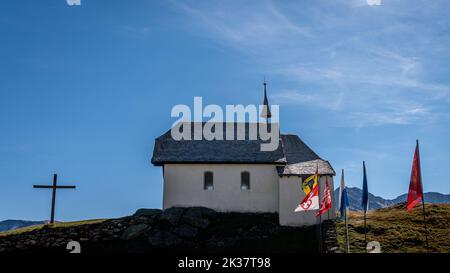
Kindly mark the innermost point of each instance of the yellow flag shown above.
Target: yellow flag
(309, 183)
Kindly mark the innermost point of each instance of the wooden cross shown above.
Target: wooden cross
(53, 187)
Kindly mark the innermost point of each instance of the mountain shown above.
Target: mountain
(376, 202)
(430, 197)
(14, 224)
(354, 199)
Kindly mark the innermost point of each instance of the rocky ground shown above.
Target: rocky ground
(194, 229)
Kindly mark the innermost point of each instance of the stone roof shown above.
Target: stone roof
(302, 160)
(307, 168)
(168, 150)
(293, 156)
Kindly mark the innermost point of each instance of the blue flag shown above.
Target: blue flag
(344, 203)
(365, 191)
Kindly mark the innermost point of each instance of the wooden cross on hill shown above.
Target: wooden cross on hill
(53, 187)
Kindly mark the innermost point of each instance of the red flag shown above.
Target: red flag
(415, 193)
(326, 200)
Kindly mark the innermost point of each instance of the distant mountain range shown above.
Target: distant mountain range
(376, 202)
(354, 199)
(14, 224)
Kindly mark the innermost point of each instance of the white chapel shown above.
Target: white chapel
(236, 176)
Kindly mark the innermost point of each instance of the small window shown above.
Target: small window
(245, 181)
(208, 181)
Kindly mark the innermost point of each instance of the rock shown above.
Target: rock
(186, 231)
(150, 220)
(133, 232)
(172, 215)
(199, 216)
(148, 212)
(163, 239)
(223, 243)
(176, 229)
(254, 229)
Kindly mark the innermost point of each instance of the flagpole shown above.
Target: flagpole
(425, 224)
(365, 231)
(347, 241)
(328, 212)
(320, 215)
(343, 210)
(365, 204)
(423, 201)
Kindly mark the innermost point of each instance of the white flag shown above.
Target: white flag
(341, 188)
(310, 202)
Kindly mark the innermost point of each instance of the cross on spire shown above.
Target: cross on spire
(265, 113)
(53, 187)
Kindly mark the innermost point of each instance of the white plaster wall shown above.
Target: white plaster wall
(183, 186)
(290, 196)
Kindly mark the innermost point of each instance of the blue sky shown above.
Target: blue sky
(84, 90)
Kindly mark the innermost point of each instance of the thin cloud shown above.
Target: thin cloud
(243, 28)
(394, 114)
(307, 99)
(369, 58)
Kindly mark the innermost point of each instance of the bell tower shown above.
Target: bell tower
(265, 113)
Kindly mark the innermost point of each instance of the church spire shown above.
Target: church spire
(265, 113)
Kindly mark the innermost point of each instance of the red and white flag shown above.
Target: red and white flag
(415, 193)
(311, 201)
(326, 200)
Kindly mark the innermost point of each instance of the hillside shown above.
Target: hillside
(375, 202)
(204, 230)
(354, 195)
(15, 224)
(192, 229)
(400, 231)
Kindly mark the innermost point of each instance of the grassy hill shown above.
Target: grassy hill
(399, 231)
(55, 225)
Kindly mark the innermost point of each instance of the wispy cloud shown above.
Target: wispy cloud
(349, 59)
(388, 117)
(244, 29)
(308, 99)
(394, 112)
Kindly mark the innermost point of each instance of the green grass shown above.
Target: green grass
(399, 231)
(55, 225)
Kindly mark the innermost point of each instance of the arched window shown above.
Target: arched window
(208, 183)
(245, 180)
